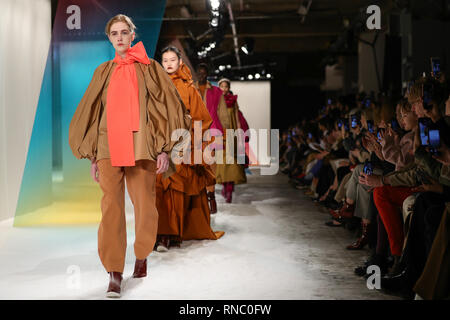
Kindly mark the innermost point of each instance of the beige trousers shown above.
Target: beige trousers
(112, 234)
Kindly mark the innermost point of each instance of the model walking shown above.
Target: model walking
(123, 124)
(181, 199)
(231, 174)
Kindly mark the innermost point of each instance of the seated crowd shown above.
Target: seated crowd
(382, 170)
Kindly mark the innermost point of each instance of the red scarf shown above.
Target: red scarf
(122, 112)
(230, 100)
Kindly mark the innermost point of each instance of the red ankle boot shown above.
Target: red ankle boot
(361, 241)
(212, 202)
(346, 211)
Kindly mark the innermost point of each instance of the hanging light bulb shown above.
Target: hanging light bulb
(215, 4)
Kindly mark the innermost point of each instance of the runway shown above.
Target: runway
(275, 246)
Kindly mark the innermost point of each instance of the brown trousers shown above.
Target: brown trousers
(112, 234)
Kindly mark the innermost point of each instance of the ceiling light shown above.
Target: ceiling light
(215, 4)
(214, 22)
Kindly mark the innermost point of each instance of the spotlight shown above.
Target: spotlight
(215, 4)
(257, 76)
(228, 66)
(217, 71)
(250, 77)
(215, 22)
(221, 68)
(269, 76)
(242, 78)
(249, 44)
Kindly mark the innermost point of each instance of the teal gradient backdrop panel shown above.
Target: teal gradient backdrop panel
(78, 61)
(79, 46)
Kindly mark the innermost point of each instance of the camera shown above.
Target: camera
(368, 168)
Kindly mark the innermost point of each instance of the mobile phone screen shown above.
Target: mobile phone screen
(434, 138)
(354, 122)
(436, 65)
(370, 126)
(423, 128)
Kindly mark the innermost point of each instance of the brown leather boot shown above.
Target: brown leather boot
(115, 280)
(361, 241)
(212, 202)
(140, 268)
(346, 211)
(163, 244)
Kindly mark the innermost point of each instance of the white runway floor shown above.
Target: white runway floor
(275, 246)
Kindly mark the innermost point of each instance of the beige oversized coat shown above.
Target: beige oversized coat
(164, 108)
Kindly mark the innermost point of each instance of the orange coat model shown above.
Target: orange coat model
(182, 201)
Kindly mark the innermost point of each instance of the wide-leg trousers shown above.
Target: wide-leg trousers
(112, 235)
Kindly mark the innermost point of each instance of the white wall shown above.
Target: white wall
(25, 34)
(254, 103)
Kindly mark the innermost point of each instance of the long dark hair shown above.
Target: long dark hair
(172, 49)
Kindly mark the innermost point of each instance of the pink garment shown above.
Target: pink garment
(212, 103)
(399, 153)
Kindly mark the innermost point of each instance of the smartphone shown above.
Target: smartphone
(435, 141)
(355, 121)
(424, 127)
(370, 126)
(368, 168)
(380, 130)
(310, 135)
(368, 103)
(329, 101)
(340, 122)
(436, 66)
